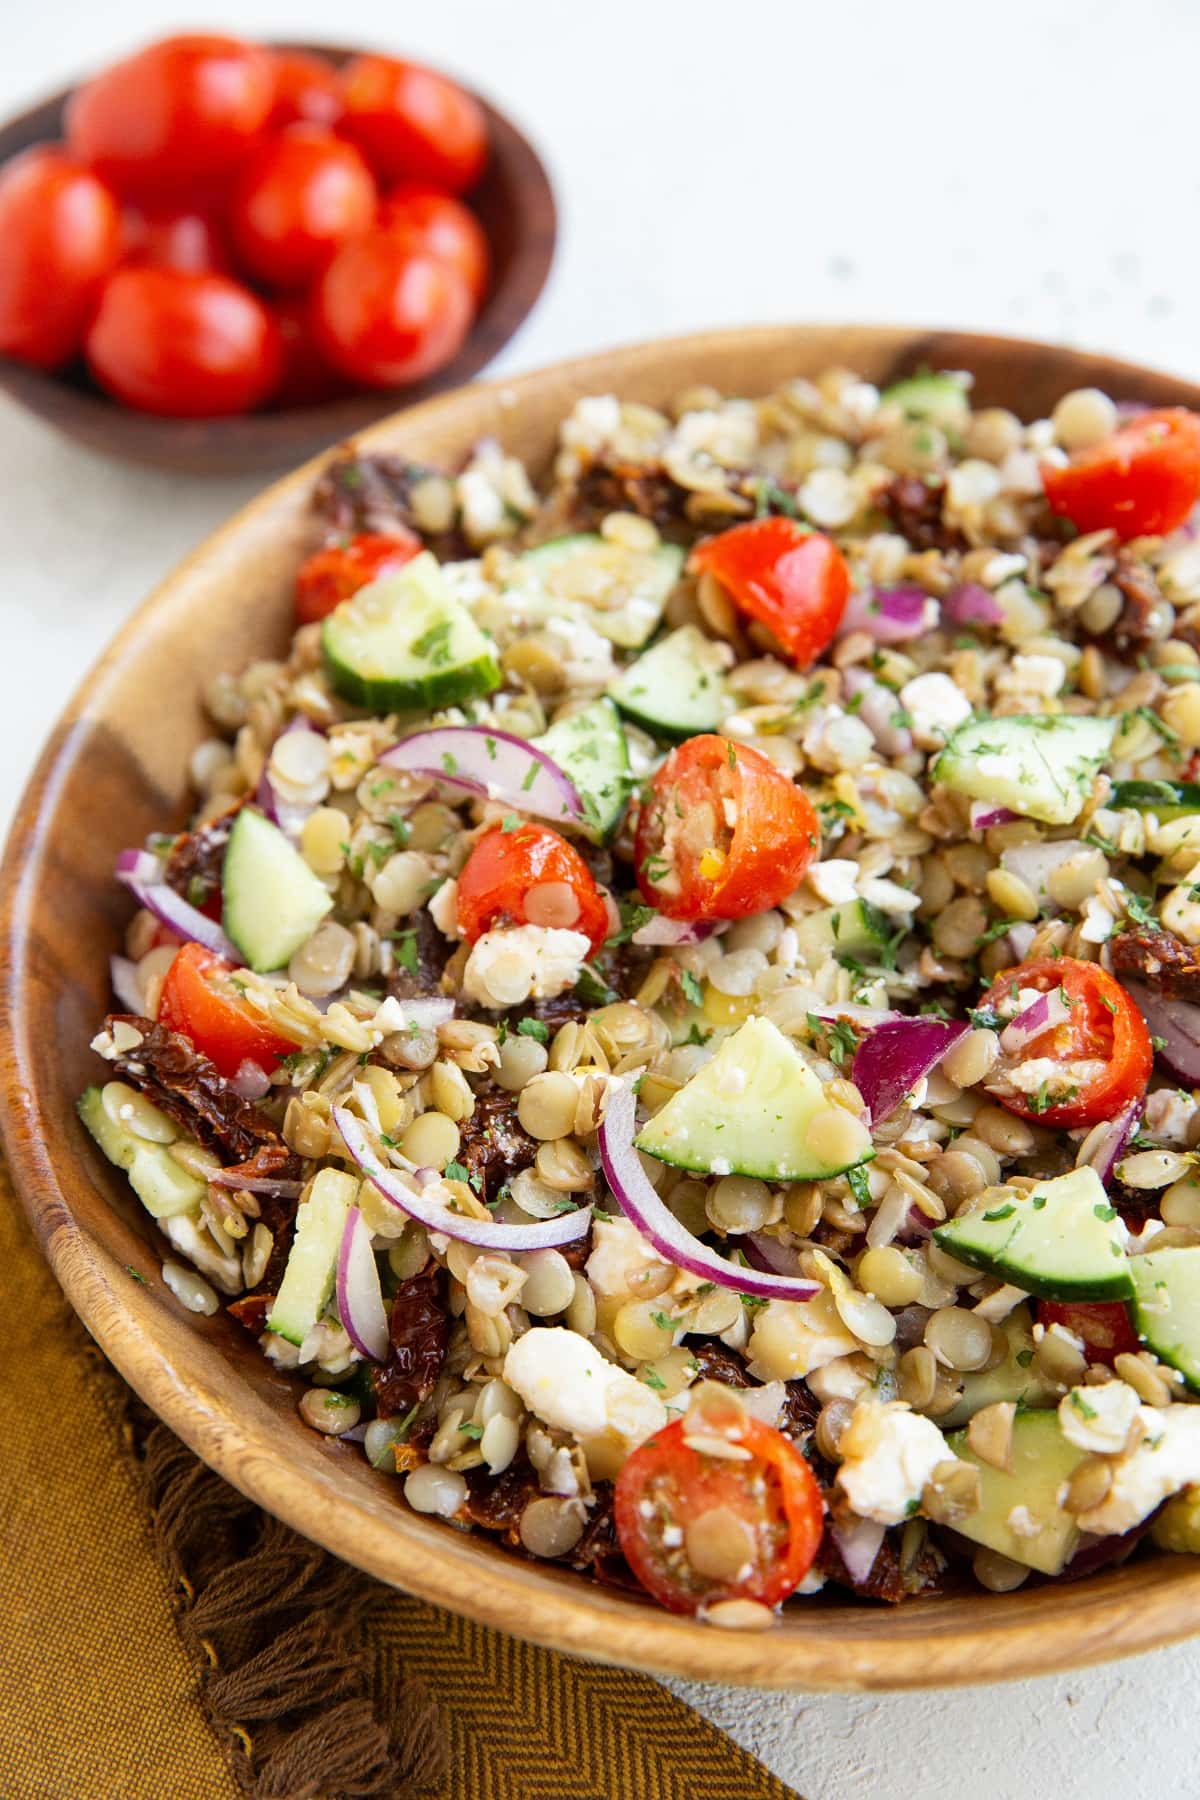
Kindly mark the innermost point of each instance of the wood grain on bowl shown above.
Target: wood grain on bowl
(515, 205)
(116, 768)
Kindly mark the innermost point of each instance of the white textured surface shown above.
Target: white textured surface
(1028, 168)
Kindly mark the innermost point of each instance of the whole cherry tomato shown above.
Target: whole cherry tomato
(384, 316)
(299, 195)
(174, 116)
(1143, 480)
(1103, 1325)
(331, 575)
(307, 89)
(722, 832)
(529, 876)
(173, 237)
(412, 124)
(757, 1520)
(795, 582)
(307, 378)
(60, 236)
(199, 1000)
(423, 219)
(187, 346)
(1102, 1045)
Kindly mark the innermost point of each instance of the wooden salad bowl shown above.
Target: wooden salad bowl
(116, 767)
(514, 202)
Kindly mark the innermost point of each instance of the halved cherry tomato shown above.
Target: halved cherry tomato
(529, 876)
(174, 116)
(173, 237)
(60, 236)
(412, 124)
(423, 219)
(760, 1518)
(331, 575)
(1143, 480)
(200, 1000)
(1104, 1027)
(187, 346)
(722, 832)
(1104, 1325)
(299, 195)
(307, 89)
(385, 315)
(795, 582)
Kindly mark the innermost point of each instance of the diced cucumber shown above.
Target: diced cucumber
(1019, 1513)
(590, 747)
(677, 688)
(1061, 1240)
(932, 399)
(855, 929)
(1166, 799)
(271, 900)
(1016, 1378)
(1166, 1307)
(1040, 766)
(163, 1185)
(746, 1112)
(405, 642)
(312, 1260)
(623, 592)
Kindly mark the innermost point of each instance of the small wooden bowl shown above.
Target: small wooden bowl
(116, 768)
(515, 205)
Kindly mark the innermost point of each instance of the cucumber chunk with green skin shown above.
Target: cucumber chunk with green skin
(1019, 1514)
(1041, 766)
(271, 900)
(406, 641)
(590, 747)
(1061, 1240)
(163, 1185)
(855, 929)
(931, 399)
(1166, 1307)
(677, 688)
(622, 593)
(311, 1268)
(1016, 1378)
(746, 1112)
(1166, 799)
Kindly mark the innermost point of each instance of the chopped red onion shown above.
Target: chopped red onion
(123, 976)
(1104, 1146)
(289, 817)
(767, 1254)
(494, 764)
(486, 1234)
(972, 604)
(1020, 937)
(1041, 1015)
(895, 1057)
(984, 814)
(889, 615)
(671, 932)
(359, 1294)
(1177, 1023)
(256, 1184)
(251, 1081)
(635, 1195)
(171, 908)
(858, 1545)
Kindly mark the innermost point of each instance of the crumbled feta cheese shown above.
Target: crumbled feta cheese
(996, 1306)
(482, 507)
(1097, 920)
(828, 498)
(622, 1262)
(834, 740)
(524, 962)
(586, 656)
(889, 1453)
(1098, 1418)
(1022, 1523)
(834, 881)
(1057, 1078)
(1169, 1114)
(1041, 676)
(888, 896)
(592, 422)
(935, 705)
(443, 907)
(1180, 913)
(1167, 1460)
(565, 1381)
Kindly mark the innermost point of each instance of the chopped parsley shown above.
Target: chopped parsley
(534, 1028)
(692, 990)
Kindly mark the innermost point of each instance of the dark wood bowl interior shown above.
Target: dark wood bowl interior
(515, 204)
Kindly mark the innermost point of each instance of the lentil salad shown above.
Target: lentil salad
(653, 1016)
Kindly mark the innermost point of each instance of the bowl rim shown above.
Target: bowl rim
(1118, 1613)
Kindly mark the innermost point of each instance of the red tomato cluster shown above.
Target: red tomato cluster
(228, 227)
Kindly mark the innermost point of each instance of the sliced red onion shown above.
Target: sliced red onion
(1177, 1023)
(633, 1192)
(356, 1434)
(1041, 1015)
(889, 615)
(670, 932)
(139, 865)
(256, 1184)
(251, 1081)
(289, 817)
(878, 707)
(1104, 1146)
(493, 764)
(486, 1234)
(122, 975)
(858, 1545)
(972, 604)
(768, 1255)
(359, 1294)
(984, 815)
(889, 1063)
(170, 908)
